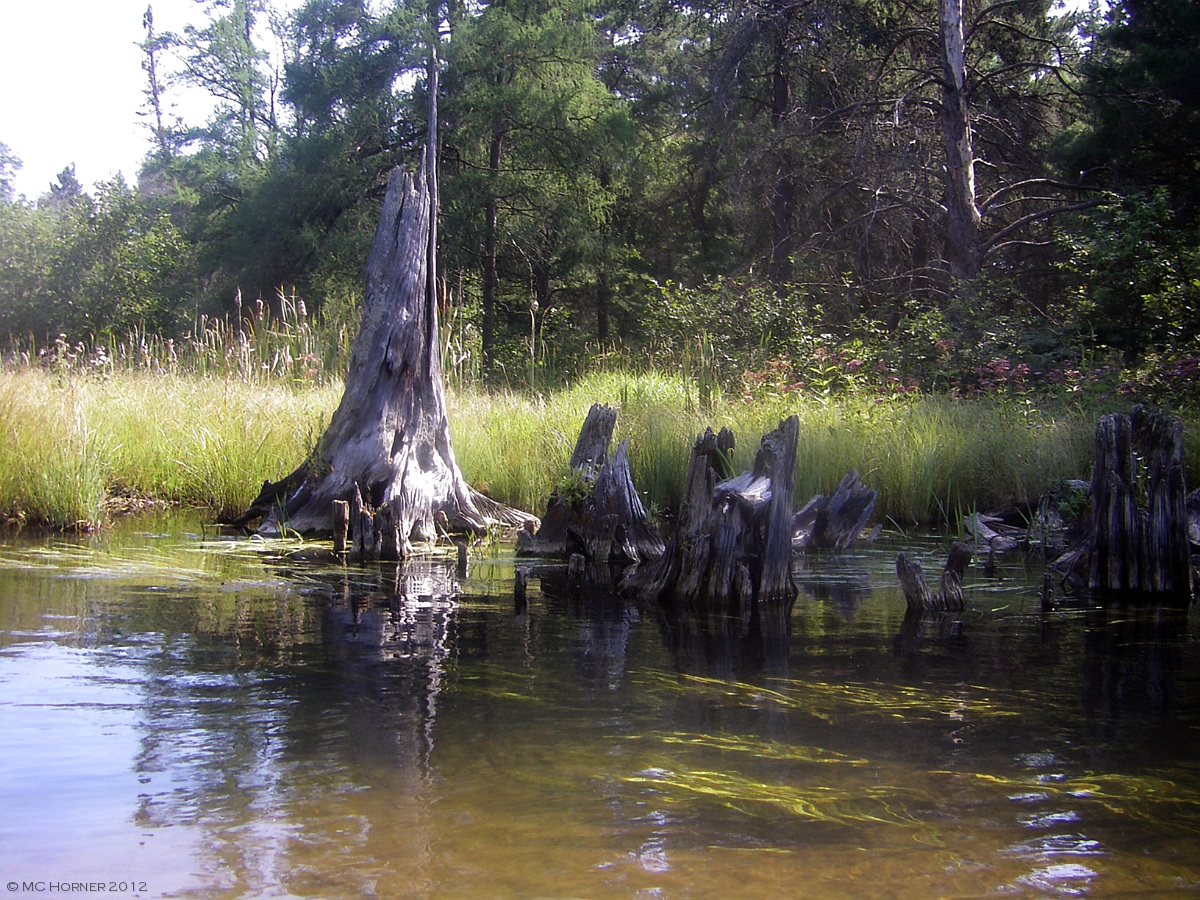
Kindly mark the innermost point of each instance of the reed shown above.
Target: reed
(75, 438)
(74, 443)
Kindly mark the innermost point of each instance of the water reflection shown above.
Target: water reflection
(268, 726)
(923, 628)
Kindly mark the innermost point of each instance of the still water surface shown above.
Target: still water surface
(209, 718)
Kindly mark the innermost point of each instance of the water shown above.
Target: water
(187, 716)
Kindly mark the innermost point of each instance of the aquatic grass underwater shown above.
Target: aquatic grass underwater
(73, 441)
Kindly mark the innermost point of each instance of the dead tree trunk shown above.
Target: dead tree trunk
(600, 515)
(1136, 532)
(389, 439)
(732, 551)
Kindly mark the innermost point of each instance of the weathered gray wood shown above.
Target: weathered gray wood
(980, 528)
(591, 449)
(634, 539)
(390, 434)
(676, 572)
(603, 517)
(341, 525)
(1130, 546)
(837, 520)
(732, 552)
(949, 596)
(777, 461)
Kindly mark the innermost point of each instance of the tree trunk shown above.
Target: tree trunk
(389, 440)
(732, 552)
(949, 597)
(836, 521)
(491, 273)
(1136, 534)
(963, 218)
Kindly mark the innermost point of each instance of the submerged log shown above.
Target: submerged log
(389, 439)
(837, 520)
(597, 512)
(949, 596)
(732, 551)
(1135, 536)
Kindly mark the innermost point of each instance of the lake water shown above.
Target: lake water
(183, 715)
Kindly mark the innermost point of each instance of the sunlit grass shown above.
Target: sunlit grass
(73, 440)
(71, 444)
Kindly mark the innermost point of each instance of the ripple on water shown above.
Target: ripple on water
(1062, 879)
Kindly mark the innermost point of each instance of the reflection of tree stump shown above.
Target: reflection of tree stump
(1136, 531)
(388, 442)
(949, 596)
(733, 546)
(597, 513)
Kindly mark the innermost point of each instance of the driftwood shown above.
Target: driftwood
(598, 514)
(732, 551)
(999, 539)
(949, 595)
(837, 520)
(1135, 535)
(388, 442)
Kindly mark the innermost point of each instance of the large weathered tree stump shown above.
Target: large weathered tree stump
(388, 443)
(732, 550)
(598, 513)
(1135, 535)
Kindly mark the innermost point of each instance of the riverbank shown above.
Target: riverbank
(76, 446)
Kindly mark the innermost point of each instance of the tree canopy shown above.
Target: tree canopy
(751, 173)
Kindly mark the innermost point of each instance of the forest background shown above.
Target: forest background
(815, 198)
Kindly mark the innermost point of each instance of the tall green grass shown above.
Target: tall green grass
(70, 442)
(930, 458)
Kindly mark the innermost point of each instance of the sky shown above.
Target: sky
(71, 86)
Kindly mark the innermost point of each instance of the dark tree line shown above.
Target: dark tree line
(625, 174)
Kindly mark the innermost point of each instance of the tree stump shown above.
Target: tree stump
(837, 520)
(1135, 535)
(388, 442)
(732, 551)
(949, 596)
(597, 514)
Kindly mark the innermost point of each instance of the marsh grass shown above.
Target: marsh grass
(931, 458)
(72, 441)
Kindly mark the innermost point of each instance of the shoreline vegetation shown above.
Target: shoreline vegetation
(89, 431)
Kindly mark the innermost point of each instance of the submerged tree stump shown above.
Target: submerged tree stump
(388, 443)
(597, 513)
(949, 596)
(732, 551)
(1135, 535)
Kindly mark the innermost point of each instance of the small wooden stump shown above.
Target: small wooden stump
(520, 588)
(732, 551)
(949, 596)
(602, 517)
(341, 526)
(835, 521)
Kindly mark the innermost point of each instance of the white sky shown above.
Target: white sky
(71, 84)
